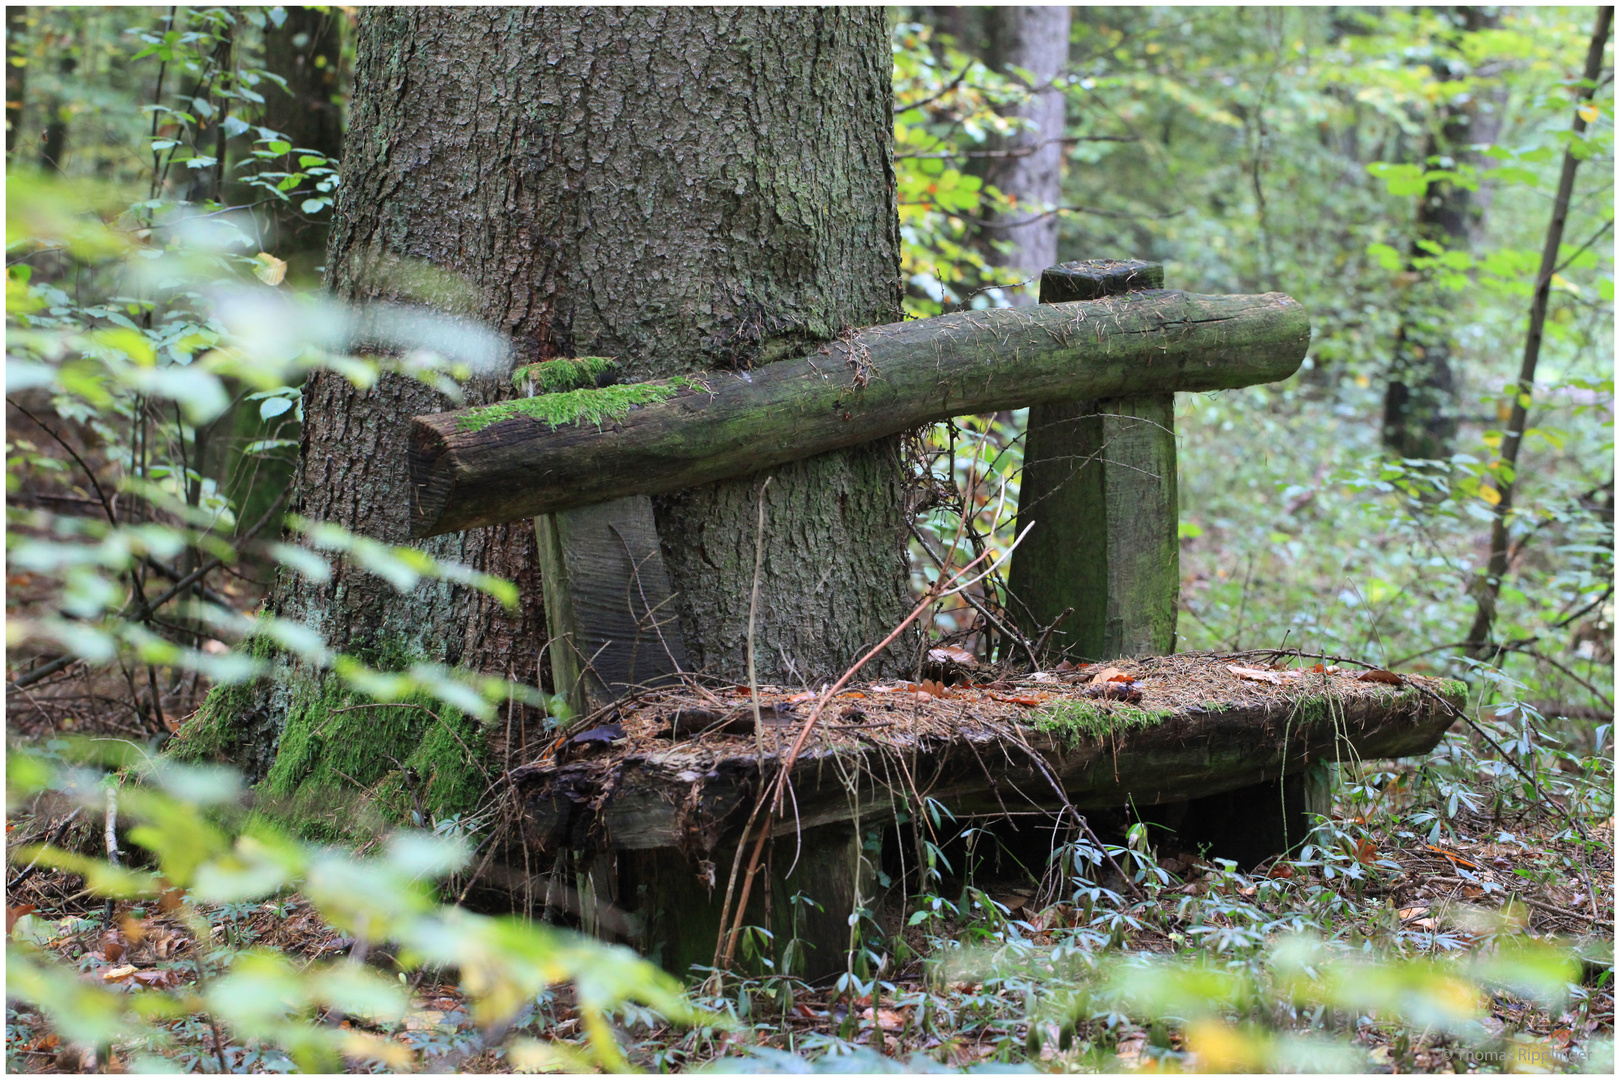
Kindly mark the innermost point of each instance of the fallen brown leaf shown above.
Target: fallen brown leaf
(15, 913)
(1047, 918)
(1030, 699)
(1378, 675)
(165, 944)
(1457, 860)
(887, 1019)
(1114, 691)
(157, 978)
(1013, 901)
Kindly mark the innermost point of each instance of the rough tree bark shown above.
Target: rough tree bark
(681, 189)
(1035, 39)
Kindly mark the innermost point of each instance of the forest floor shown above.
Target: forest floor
(967, 970)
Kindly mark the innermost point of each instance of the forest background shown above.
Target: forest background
(1433, 493)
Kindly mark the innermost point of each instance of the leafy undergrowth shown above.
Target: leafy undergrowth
(1431, 925)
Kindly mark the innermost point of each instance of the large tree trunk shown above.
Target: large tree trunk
(681, 189)
(1035, 39)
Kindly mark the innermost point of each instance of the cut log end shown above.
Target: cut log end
(432, 473)
(1096, 278)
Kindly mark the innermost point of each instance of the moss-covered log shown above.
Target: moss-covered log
(881, 381)
(1080, 752)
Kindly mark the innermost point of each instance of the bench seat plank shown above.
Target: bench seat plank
(977, 754)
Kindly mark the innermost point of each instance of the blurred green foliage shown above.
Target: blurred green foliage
(201, 852)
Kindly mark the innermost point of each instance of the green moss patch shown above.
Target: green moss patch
(591, 405)
(346, 764)
(565, 373)
(343, 767)
(219, 729)
(1072, 721)
(214, 731)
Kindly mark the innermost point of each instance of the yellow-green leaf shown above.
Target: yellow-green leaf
(270, 270)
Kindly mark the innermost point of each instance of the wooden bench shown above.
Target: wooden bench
(1241, 770)
(1098, 362)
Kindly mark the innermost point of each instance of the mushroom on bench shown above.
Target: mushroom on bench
(1099, 360)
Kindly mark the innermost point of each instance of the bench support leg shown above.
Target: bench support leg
(609, 613)
(678, 913)
(1252, 824)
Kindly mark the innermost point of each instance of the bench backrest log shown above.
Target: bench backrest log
(1098, 361)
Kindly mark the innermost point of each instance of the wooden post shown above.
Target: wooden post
(1254, 823)
(1099, 483)
(610, 612)
(674, 908)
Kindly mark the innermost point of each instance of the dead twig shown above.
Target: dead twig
(753, 615)
(55, 838)
(774, 792)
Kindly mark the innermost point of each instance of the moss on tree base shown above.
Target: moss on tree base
(342, 767)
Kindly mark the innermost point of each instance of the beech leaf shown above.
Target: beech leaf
(1380, 676)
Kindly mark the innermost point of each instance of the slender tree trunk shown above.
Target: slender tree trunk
(16, 73)
(1488, 587)
(1420, 398)
(1036, 40)
(307, 51)
(53, 145)
(681, 188)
